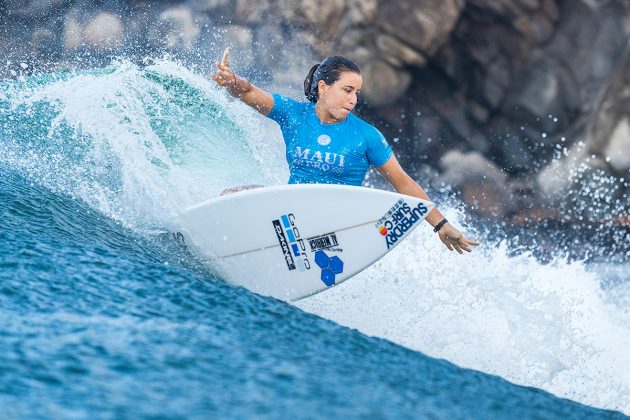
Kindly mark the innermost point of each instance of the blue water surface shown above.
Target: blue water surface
(99, 321)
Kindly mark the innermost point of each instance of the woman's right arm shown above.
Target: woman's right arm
(241, 88)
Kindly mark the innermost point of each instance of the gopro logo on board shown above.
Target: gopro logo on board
(282, 240)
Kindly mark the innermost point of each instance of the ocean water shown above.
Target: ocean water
(102, 316)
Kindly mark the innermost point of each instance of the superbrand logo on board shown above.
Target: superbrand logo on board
(398, 220)
(292, 244)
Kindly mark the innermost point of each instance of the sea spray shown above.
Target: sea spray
(137, 143)
(551, 325)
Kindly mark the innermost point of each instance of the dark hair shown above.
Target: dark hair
(329, 71)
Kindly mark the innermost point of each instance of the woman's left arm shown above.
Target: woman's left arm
(404, 184)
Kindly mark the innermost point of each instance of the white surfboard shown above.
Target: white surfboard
(292, 241)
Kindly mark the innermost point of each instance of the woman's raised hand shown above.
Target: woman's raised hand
(240, 87)
(223, 75)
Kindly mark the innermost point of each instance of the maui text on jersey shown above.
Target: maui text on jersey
(325, 161)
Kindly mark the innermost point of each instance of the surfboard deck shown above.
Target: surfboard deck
(292, 241)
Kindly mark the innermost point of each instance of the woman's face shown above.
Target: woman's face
(340, 98)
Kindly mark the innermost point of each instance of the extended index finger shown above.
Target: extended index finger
(471, 242)
(224, 61)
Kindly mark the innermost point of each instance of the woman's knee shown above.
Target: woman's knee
(240, 188)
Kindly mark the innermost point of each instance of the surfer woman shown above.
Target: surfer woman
(325, 142)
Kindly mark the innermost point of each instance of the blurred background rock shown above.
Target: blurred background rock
(520, 105)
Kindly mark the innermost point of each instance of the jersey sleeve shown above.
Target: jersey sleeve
(284, 109)
(378, 150)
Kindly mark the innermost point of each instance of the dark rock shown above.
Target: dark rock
(269, 40)
(537, 28)
(424, 25)
(426, 175)
(483, 186)
(44, 41)
(477, 111)
(609, 129)
(510, 148)
(33, 9)
(213, 7)
(72, 34)
(175, 29)
(617, 151)
(396, 53)
(594, 194)
(497, 81)
(240, 39)
(253, 12)
(539, 95)
(384, 84)
(320, 18)
(362, 12)
(551, 10)
(90, 29)
(524, 193)
(556, 178)
(105, 32)
(285, 57)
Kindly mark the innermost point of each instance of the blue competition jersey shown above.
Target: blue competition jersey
(327, 153)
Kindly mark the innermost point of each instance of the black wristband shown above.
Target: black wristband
(439, 225)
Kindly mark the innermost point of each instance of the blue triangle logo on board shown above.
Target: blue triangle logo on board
(331, 266)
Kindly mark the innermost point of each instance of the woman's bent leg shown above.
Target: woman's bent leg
(240, 188)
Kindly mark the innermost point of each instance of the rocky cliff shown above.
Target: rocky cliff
(515, 103)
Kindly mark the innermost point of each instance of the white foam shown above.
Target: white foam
(549, 326)
(145, 156)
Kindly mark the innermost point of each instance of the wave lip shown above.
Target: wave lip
(137, 143)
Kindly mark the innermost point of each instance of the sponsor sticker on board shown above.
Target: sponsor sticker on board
(291, 243)
(398, 220)
(328, 241)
